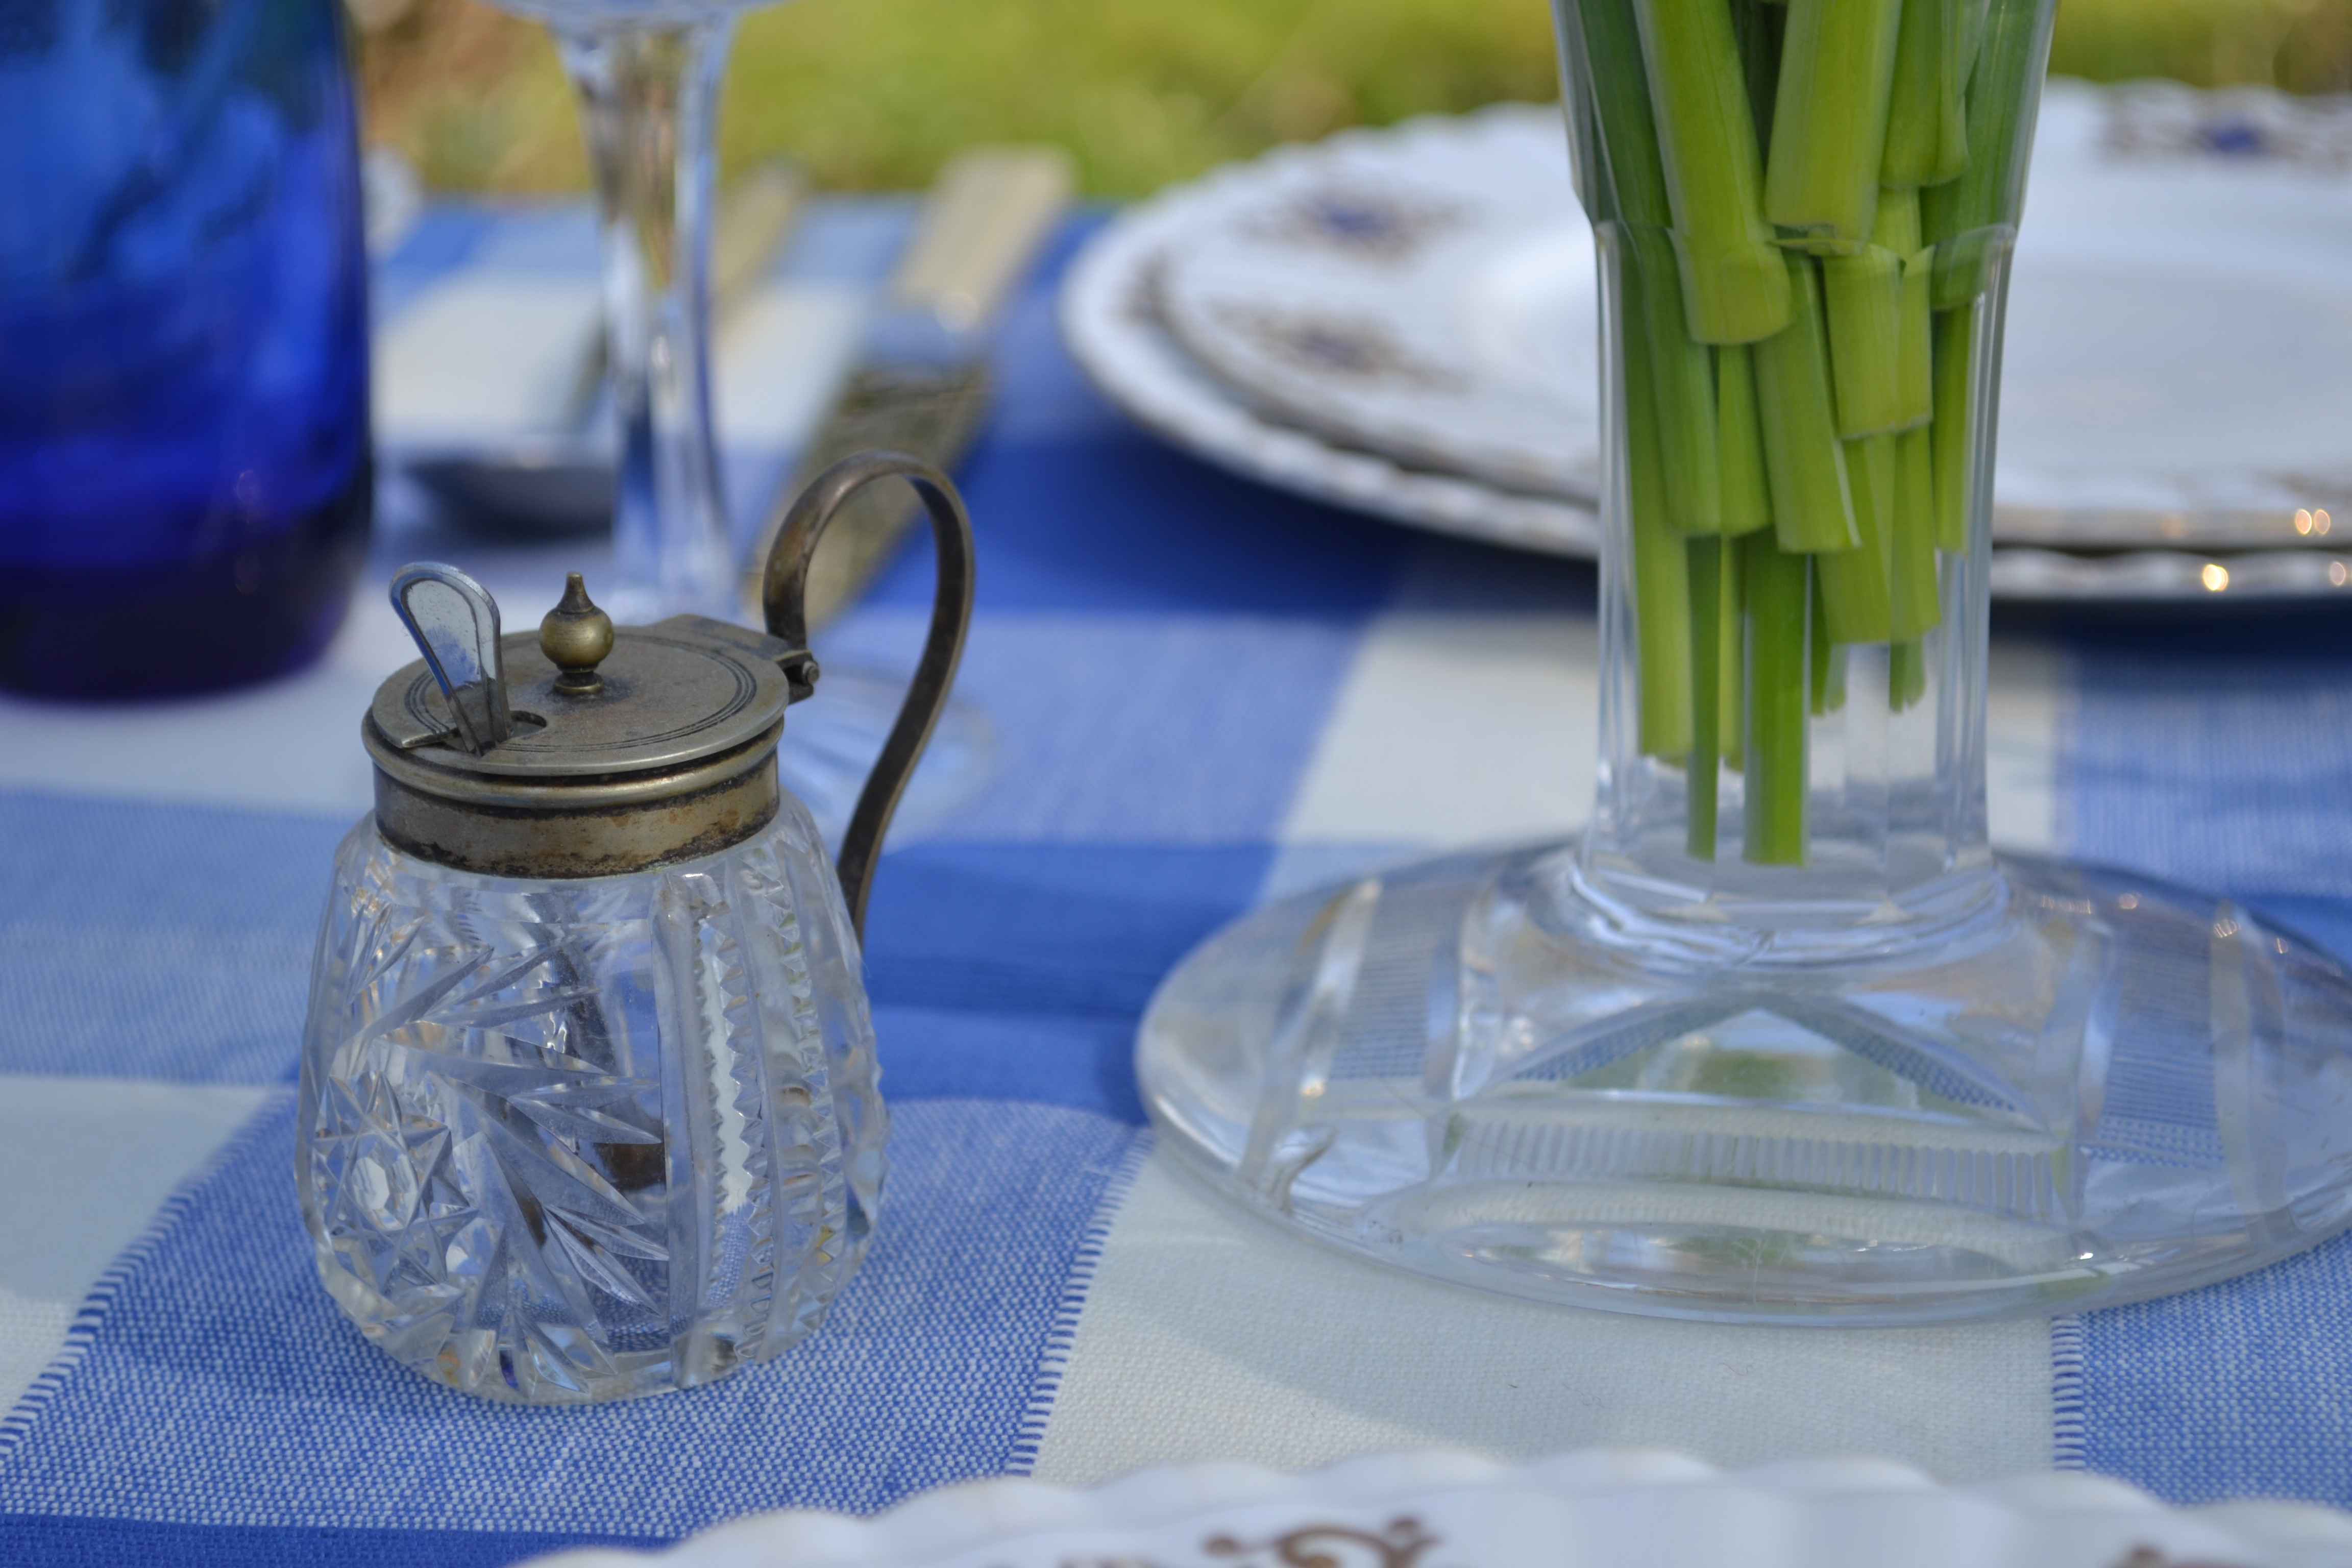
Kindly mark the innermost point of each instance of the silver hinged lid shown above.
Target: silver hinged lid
(541, 776)
(582, 749)
(671, 693)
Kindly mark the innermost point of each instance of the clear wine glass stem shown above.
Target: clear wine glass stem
(649, 98)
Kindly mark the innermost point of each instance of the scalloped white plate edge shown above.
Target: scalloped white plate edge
(1134, 363)
(1482, 160)
(1144, 372)
(956, 1520)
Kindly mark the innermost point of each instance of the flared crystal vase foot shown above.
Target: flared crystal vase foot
(2082, 1088)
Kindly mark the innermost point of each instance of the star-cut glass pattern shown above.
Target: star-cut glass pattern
(570, 1141)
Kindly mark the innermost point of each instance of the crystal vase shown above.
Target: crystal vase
(1781, 1038)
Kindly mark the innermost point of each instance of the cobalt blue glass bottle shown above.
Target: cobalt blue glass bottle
(184, 467)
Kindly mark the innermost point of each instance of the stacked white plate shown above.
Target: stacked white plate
(1600, 1509)
(1403, 321)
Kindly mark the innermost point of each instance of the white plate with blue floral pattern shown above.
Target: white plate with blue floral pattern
(1427, 292)
(1402, 321)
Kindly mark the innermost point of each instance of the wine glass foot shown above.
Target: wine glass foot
(2107, 1089)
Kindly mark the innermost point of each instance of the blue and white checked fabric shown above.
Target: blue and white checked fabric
(1199, 692)
(219, 1385)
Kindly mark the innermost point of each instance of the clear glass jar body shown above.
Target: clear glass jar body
(565, 1141)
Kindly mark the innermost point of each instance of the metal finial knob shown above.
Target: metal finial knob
(576, 636)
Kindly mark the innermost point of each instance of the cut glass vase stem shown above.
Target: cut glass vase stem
(1780, 1038)
(649, 94)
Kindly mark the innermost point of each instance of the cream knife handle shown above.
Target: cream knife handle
(982, 225)
(755, 217)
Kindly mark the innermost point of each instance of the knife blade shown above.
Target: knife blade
(920, 383)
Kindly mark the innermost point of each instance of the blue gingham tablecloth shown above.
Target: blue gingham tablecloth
(1198, 693)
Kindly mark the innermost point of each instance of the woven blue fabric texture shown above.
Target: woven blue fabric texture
(2219, 759)
(36, 1540)
(141, 943)
(220, 1386)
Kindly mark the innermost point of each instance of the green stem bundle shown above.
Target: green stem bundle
(1812, 508)
(1949, 430)
(1662, 624)
(1682, 385)
(1863, 296)
(1915, 599)
(1807, 200)
(1739, 441)
(1969, 217)
(1778, 669)
(1712, 570)
(1734, 290)
(1828, 121)
(1926, 130)
(1853, 584)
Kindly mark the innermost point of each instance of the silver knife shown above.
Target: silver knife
(921, 385)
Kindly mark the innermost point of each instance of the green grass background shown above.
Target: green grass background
(873, 93)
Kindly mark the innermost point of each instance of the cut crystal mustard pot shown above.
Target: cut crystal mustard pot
(588, 1091)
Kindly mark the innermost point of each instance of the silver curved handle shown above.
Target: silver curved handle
(783, 590)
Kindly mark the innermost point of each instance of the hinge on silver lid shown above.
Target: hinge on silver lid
(455, 623)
